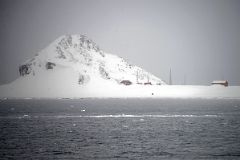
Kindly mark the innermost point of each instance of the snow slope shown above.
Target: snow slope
(73, 66)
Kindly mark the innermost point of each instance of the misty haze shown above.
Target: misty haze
(111, 79)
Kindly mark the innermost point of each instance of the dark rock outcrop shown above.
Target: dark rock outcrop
(25, 69)
(50, 65)
(126, 82)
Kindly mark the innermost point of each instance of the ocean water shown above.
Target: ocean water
(120, 129)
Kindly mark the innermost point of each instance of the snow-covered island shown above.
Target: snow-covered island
(73, 66)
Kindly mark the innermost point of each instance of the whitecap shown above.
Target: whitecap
(136, 116)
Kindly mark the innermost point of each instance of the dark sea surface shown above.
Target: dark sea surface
(120, 129)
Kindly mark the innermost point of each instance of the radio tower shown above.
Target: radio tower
(137, 77)
(170, 77)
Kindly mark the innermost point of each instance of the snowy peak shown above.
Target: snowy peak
(79, 43)
(88, 61)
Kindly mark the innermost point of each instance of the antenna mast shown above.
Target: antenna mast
(137, 77)
(170, 77)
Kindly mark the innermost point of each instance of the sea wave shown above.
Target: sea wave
(134, 116)
(111, 116)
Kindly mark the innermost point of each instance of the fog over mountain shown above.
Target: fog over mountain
(198, 39)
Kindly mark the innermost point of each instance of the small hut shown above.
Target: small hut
(222, 82)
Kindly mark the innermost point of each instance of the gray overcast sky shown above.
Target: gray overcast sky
(196, 38)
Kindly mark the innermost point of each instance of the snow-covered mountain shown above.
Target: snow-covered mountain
(74, 66)
(82, 55)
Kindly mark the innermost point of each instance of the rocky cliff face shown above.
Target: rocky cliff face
(85, 57)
